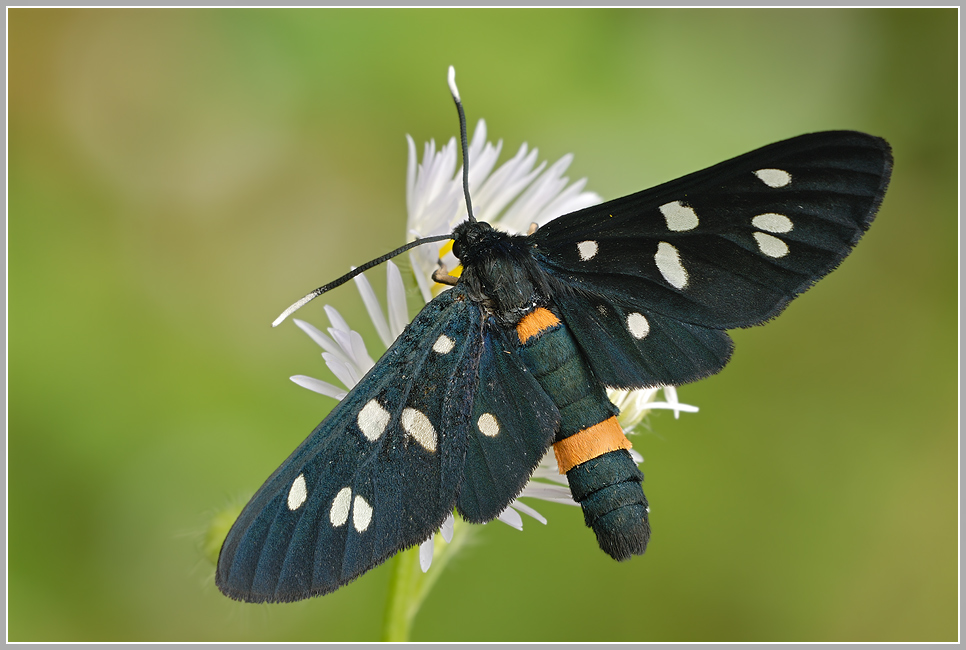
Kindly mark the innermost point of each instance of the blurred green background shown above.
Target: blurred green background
(178, 177)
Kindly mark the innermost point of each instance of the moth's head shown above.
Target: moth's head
(472, 240)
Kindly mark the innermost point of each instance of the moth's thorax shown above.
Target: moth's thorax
(499, 271)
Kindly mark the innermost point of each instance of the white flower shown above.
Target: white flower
(518, 193)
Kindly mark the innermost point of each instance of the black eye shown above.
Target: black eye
(457, 249)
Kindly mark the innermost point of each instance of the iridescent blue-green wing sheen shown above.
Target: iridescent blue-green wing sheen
(378, 475)
(513, 425)
(731, 245)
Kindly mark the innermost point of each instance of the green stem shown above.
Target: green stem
(409, 586)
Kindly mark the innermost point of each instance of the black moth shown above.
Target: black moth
(633, 293)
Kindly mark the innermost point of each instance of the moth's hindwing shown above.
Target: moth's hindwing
(513, 425)
(629, 349)
(731, 245)
(380, 473)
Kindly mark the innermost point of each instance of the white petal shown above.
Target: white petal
(478, 141)
(343, 371)
(352, 349)
(550, 474)
(539, 194)
(375, 311)
(315, 333)
(322, 339)
(677, 407)
(506, 183)
(360, 355)
(483, 157)
(446, 530)
(634, 405)
(423, 271)
(517, 181)
(438, 197)
(555, 493)
(511, 518)
(396, 297)
(547, 469)
(671, 395)
(426, 554)
(421, 187)
(336, 319)
(410, 175)
(319, 386)
(481, 165)
(344, 340)
(570, 200)
(527, 510)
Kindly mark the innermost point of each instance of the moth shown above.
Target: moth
(515, 357)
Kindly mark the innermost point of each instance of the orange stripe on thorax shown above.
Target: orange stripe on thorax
(590, 443)
(537, 321)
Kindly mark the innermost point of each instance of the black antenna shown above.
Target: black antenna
(354, 272)
(466, 161)
(402, 249)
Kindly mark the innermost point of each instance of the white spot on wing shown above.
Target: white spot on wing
(361, 513)
(339, 513)
(679, 217)
(297, 493)
(637, 325)
(774, 177)
(668, 262)
(419, 427)
(488, 424)
(587, 250)
(772, 222)
(443, 344)
(373, 420)
(771, 246)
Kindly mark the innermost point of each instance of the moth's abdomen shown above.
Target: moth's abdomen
(608, 489)
(590, 445)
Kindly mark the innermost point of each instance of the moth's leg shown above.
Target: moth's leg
(533, 228)
(442, 276)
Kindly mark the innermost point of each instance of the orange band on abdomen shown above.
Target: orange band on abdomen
(539, 320)
(590, 443)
